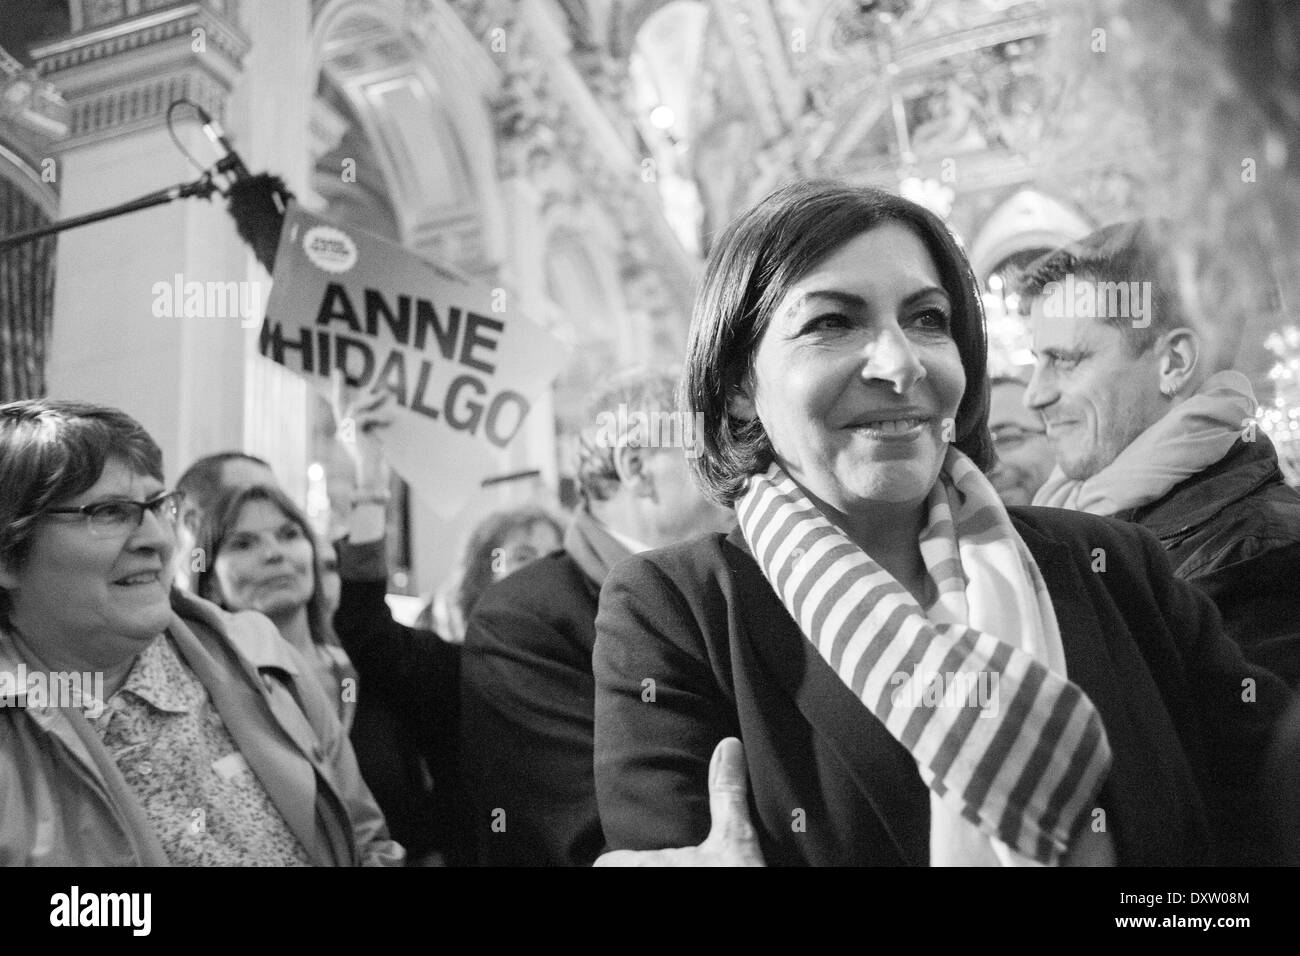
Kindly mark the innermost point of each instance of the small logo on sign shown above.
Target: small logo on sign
(330, 249)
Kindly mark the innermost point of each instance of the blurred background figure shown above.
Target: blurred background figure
(330, 585)
(527, 687)
(200, 485)
(499, 545)
(416, 671)
(1024, 458)
(262, 556)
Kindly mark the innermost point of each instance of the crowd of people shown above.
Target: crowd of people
(884, 610)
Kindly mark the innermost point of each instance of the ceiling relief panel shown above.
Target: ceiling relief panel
(406, 130)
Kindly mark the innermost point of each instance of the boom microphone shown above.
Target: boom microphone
(230, 163)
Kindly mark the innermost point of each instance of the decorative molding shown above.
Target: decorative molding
(143, 104)
(754, 69)
(481, 17)
(159, 27)
(607, 78)
(559, 127)
(30, 103)
(106, 97)
(526, 118)
(462, 33)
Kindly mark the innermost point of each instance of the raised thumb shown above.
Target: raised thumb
(728, 795)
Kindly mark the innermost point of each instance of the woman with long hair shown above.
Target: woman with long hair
(259, 554)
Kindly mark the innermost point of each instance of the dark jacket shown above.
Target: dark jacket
(527, 701)
(529, 705)
(1285, 798)
(408, 712)
(693, 645)
(1234, 531)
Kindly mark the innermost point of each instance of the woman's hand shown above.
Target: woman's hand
(360, 416)
(731, 840)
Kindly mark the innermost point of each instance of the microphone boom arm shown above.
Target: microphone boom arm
(202, 187)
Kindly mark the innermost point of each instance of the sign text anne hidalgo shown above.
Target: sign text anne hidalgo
(463, 368)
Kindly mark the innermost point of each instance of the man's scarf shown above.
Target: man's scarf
(1024, 772)
(1192, 436)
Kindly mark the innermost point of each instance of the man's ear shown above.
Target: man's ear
(1180, 350)
(740, 401)
(633, 475)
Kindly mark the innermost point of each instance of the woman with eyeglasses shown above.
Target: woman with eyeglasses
(1024, 456)
(149, 727)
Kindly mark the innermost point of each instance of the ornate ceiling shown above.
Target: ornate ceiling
(944, 99)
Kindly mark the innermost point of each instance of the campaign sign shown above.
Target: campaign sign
(462, 366)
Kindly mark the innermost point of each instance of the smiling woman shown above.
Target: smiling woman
(837, 358)
(207, 749)
(260, 555)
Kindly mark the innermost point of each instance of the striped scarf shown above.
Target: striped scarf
(1024, 770)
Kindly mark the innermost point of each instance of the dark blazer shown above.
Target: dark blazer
(693, 645)
(527, 698)
(408, 713)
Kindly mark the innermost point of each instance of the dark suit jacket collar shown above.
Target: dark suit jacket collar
(1076, 618)
(591, 547)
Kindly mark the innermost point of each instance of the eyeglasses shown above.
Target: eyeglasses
(120, 516)
(1013, 436)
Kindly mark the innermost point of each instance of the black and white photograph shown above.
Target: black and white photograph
(651, 433)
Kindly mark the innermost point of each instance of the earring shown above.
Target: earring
(1170, 390)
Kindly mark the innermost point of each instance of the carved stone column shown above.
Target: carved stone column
(183, 378)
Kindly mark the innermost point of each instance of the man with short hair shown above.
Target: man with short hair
(1143, 430)
(1024, 456)
(202, 484)
(528, 694)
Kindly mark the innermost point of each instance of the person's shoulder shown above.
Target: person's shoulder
(1270, 515)
(552, 577)
(252, 635)
(694, 559)
(1075, 527)
(1258, 530)
(547, 600)
(684, 593)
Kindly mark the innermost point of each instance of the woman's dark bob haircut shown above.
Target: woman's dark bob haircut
(757, 260)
